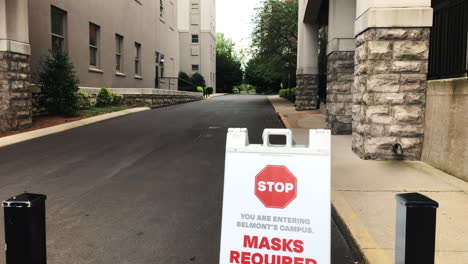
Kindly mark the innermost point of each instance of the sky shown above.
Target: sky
(233, 18)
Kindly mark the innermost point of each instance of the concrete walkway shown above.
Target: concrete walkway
(363, 194)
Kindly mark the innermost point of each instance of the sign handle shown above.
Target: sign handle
(277, 132)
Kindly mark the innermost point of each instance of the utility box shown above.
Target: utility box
(25, 229)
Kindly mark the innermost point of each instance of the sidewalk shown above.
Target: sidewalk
(363, 194)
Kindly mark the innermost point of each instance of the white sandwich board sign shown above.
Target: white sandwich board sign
(276, 205)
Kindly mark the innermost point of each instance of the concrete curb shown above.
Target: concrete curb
(13, 139)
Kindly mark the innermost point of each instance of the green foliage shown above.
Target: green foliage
(184, 82)
(58, 82)
(274, 46)
(107, 98)
(228, 65)
(197, 79)
(85, 100)
(117, 99)
(102, 110)
(209, 90)
(200, 89)
(235, 90)
(245, 88)
(285, 94)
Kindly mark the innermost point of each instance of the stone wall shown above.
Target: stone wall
(389, 92)
(339, 98)
(151, 97)
(15, 96)
(446, 126)
(307, 92)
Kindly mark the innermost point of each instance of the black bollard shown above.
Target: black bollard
(25, 229)
(416, 229)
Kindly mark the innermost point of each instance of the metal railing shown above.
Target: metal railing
(448, 56)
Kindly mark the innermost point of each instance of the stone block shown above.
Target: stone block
(379, 50)
(405, 130)
(406, 66)
(411, 50)
(378, 67)
(389, 83)
(361, 54)
(411, 114)
(415, 98)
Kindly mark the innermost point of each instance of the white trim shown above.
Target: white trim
(394, 18)
(341, 44)
(15, 46)
(92, 69)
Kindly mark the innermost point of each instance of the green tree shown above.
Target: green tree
(274, 46)
(58, 83)
(228, 65)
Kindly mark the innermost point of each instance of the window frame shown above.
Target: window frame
(137, 60)
(197, 67)
(195, 36)
(119, 46)
(161, 9)
(63, 14)
(95, 48)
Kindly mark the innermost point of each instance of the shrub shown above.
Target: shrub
(104, 98)
(200, 89)
(209, 90)
(285, 94)
(85, 100)
(235, 90)
(197, 80)
(58, 83)
(117, 99)
(184, 82)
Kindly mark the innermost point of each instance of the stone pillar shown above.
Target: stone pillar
(390, 82)
(340, 76)
(15, 94)
(307, 89)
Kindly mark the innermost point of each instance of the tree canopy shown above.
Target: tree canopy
(228, 65)
(274, 46)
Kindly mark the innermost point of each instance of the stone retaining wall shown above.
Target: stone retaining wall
(340, 79)
(389, 92)
(307, 92)
(15, 96)
(150, 97)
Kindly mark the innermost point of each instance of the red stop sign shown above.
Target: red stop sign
(275, 186)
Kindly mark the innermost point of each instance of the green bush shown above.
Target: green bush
(104, 98)
(244, 89)
(117, 99)
(58, 83)
(85, 100)
(200, 89)
(197, 79)
(285, 94)
(235, 90)
(184, 82)
(209, 90)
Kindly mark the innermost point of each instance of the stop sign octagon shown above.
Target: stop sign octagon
(275, 186)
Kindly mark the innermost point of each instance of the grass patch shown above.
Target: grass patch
(102, 110)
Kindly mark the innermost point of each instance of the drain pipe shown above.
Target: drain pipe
(398, 149)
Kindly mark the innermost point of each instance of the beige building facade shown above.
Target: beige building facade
(198, 38)
(114, 44)
(396, 78)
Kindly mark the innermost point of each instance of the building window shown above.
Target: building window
(448, 55)
(137, 58)
(161, 8)
(161, 64)
(194, 38)
(195, 67)
(118, 53)
(195, 7)
(94, 45)
(58, 28)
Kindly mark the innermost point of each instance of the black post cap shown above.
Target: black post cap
(24, 200)
(416, 200)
